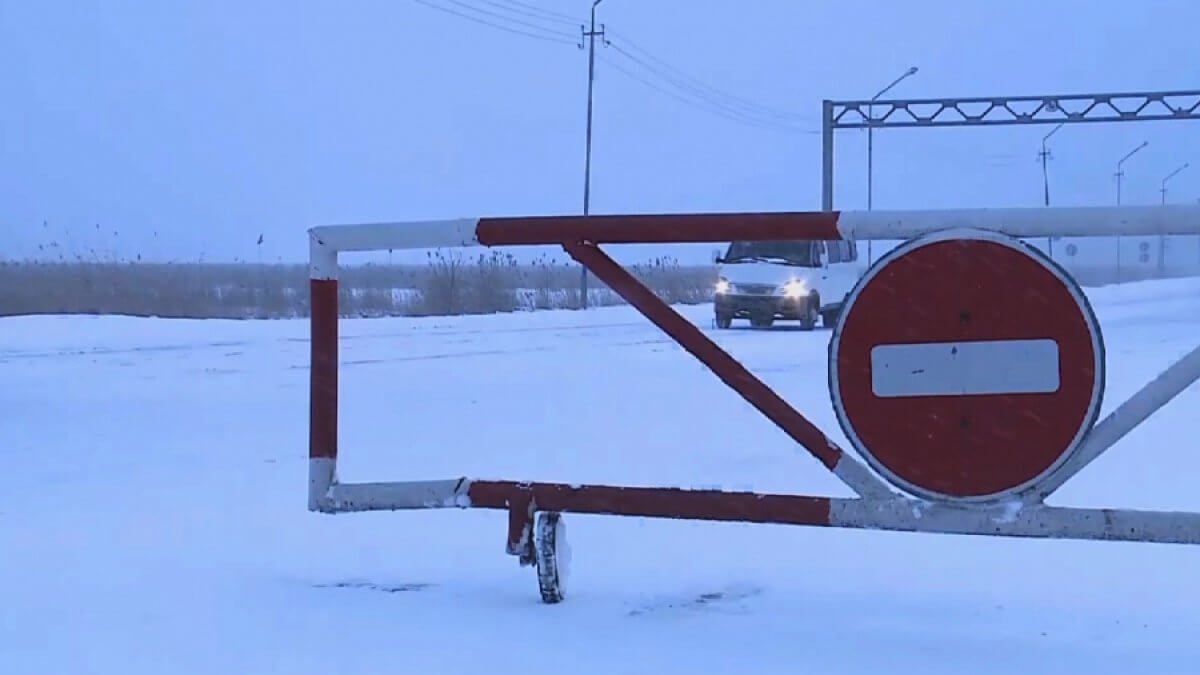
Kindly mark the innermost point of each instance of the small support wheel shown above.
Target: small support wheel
(552, 555)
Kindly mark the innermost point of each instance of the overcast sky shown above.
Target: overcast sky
(189, 128)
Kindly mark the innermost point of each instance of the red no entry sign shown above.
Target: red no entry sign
(966, 366)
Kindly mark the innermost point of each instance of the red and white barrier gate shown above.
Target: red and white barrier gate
(966, 368)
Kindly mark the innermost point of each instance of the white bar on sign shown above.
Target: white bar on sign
(965, 368)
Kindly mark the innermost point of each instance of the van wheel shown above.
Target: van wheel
(829, 317)
(811, 313)
(724, 321)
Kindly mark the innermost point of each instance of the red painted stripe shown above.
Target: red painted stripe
(648, 502)
(323, 374)
(695, 341)
(658, 228)
(520, 525)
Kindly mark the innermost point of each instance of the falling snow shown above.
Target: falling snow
(157, 517)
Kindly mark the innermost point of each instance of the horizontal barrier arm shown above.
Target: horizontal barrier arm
(896, 513)
(669, 228)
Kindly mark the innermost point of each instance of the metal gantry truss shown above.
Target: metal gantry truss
(998, 111)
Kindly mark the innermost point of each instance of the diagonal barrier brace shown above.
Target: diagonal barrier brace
(1135, 410)
(732, 373)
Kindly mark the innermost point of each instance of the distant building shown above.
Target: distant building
(1097, 261)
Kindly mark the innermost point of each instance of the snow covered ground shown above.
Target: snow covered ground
(153, 518)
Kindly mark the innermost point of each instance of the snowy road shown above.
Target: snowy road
(154, 518)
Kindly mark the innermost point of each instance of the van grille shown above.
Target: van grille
(754, 289)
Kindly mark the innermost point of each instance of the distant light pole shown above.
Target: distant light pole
(1162, 238)
(1045, 155)
(1169, 176)
(1120, 174)
(871, 144)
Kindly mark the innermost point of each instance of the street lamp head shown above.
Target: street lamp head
(912, 70)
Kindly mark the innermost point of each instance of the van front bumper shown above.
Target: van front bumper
(746, 306)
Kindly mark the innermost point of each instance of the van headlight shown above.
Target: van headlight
(795, 288)
(722, 286)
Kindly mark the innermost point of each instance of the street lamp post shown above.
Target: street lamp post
(871, 145)
(1162, 238)
(1169, 176)
(1045, 155)
(1121, 174)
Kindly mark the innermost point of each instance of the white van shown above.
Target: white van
(799, 280)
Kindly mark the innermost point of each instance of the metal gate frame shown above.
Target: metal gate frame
(877, 506)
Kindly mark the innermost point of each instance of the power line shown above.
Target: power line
(548, 35)
(698, 98)
(487, 12)
(731, 100)
(547, 12)
(703, 104)
(713, 105)
(534, 12)
(695, 92)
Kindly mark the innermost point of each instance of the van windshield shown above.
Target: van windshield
(800, 253)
